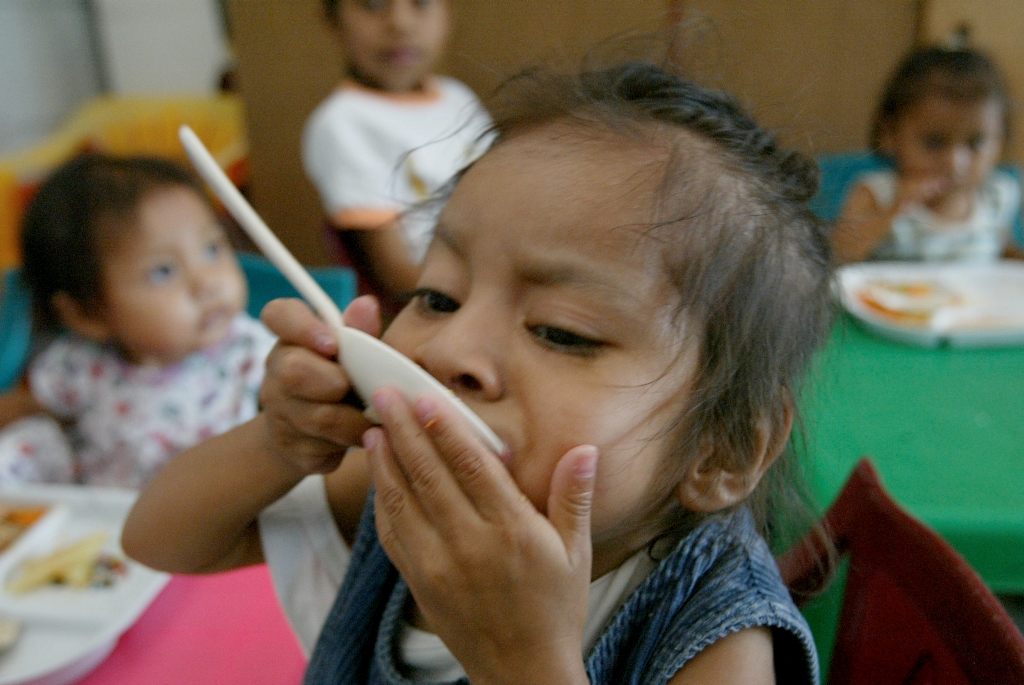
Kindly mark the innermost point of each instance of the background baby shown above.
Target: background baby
(143, 345)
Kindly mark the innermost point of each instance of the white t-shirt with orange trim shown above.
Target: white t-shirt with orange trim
(374, 156)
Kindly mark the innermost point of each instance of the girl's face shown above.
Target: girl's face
(172, 286)
(393, 44)
(542, 307)
(956, 142)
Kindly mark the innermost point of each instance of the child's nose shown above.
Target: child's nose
(465, 356)
(400, 15)
(958, 161)
(206, 282)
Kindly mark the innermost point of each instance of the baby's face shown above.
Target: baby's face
(957, 142)
(173, 285)
(543, 309)
(393, 44)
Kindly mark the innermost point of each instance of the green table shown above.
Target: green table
(944, 427)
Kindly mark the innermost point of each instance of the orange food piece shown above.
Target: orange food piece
(917, 289)
(919, 319)
(25, 517)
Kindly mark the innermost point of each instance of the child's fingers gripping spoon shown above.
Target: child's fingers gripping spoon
(369, 362)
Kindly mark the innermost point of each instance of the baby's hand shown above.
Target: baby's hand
(504, 586)
(311, 415)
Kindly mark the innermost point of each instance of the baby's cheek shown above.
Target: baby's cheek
(238, 291)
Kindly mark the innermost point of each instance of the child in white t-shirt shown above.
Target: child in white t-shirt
(389, 137)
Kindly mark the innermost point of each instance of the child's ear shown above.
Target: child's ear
(89, 325)
(708, 486)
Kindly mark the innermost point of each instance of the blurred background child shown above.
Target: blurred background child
(389, 137)
(139, 302)
(943, 123)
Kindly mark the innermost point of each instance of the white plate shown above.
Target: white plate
(66, 632)
(930, 304)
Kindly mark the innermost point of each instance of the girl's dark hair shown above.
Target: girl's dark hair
(958, 74)
(750, 262)
(82, 207)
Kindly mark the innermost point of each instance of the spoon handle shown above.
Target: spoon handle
(260, 233)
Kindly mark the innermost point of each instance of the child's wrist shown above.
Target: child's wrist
(275, 465)
(292, 461)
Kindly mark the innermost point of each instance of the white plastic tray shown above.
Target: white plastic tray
(68, 632)
(963, 305)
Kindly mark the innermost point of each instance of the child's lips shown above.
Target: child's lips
(402, 57)
(505, 456)
(214, 319)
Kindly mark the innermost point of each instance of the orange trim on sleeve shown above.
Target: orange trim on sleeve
(361, 218)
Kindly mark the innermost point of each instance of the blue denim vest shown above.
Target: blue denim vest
(719, 579)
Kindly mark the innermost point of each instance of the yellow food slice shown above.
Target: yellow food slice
(72, 565)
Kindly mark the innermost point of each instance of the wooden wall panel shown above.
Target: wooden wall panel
(287, 63)
(493, 39)
(996, 26)
(811, 68)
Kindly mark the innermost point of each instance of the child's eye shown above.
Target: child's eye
(161, 273)
(565, 341)
(213, 251)
(975, 142)
(434, 302)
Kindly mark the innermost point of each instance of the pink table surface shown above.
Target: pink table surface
(208, 630)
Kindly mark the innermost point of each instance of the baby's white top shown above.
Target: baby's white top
(374, 155)
(919, 234)
(308, 559)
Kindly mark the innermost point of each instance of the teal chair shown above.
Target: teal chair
(15, 328)
(838, 174)
(265, 284)
(840, 171)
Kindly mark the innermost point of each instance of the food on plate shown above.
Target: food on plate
(15, 520)
(79, 565)
(907, 302)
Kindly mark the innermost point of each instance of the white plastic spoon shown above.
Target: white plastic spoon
(368, 362)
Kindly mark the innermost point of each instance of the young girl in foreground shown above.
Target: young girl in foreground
(626, 288)
(943, 122)
(139, 303)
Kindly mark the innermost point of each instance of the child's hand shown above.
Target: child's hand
(503, 586)
(920, 190)
(304, 388)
